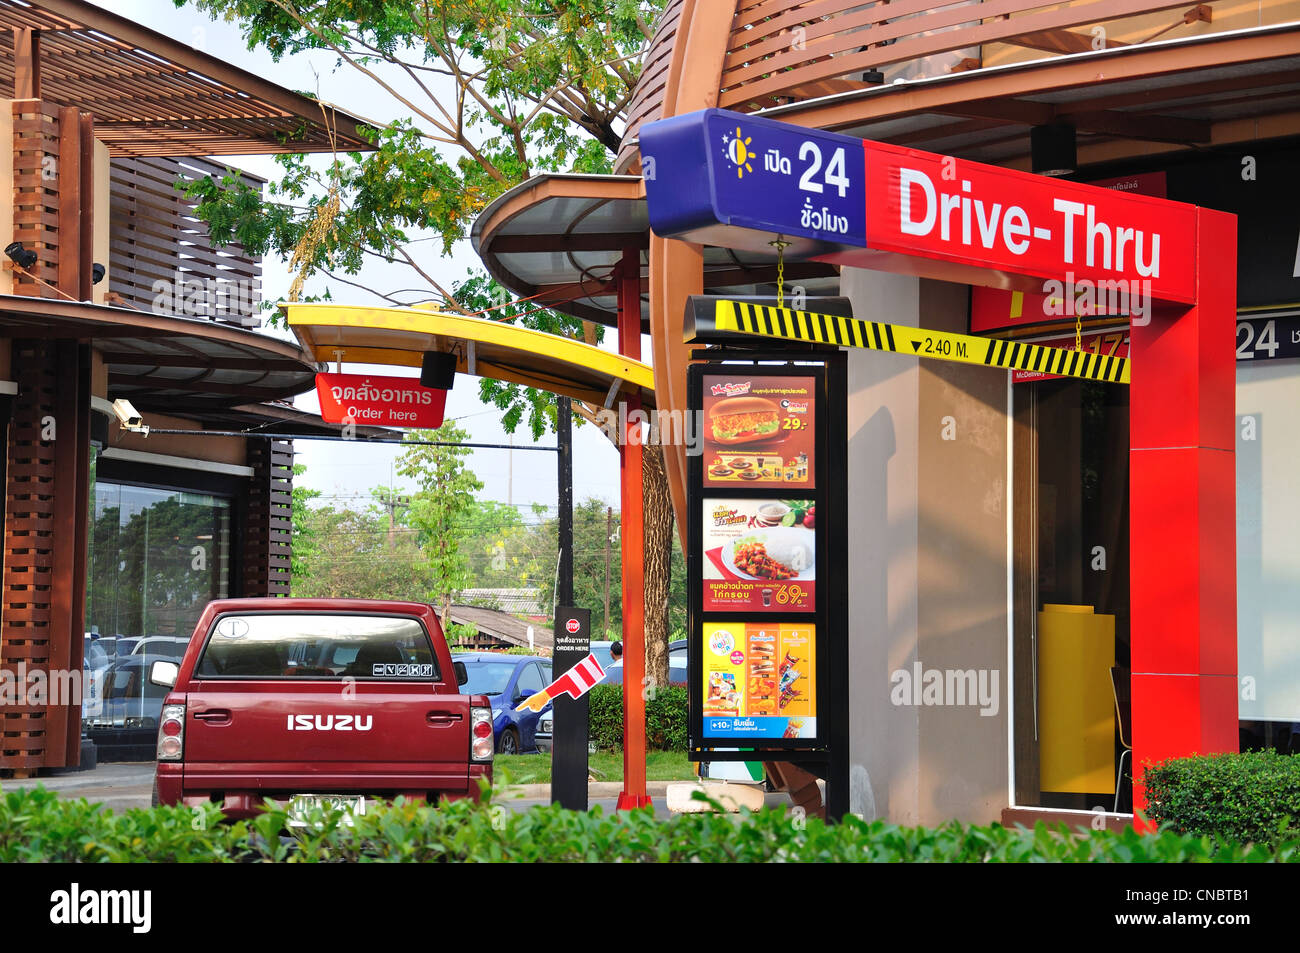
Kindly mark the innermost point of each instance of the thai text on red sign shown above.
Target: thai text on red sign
(379, 401)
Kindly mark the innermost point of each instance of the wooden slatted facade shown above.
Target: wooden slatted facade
(45, 532)
(266, 563)
(36, 196)
(162, 259)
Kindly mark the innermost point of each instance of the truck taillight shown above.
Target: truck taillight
(482, 744)
(171, 733)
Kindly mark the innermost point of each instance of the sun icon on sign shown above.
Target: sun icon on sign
(739, 152)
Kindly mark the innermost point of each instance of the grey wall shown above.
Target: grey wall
(927, 561)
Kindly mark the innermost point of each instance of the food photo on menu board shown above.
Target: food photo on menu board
(759, 555)
(759, 430)
(759, 680)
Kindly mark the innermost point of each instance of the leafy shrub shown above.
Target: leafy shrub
(1253, 797)
(36, 825)
(665, 718)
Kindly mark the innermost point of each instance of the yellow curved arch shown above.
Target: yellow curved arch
(400, 336)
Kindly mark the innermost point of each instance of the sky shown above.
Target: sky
(344, 473)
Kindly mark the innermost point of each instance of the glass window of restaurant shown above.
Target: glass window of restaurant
(157, 556)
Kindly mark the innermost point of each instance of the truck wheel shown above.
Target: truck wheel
(154, 801)
(509, 743)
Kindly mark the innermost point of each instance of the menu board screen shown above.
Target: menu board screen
(759, 680)
(759, 430)
(759, 555)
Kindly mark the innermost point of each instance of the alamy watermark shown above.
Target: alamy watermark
(38, 688)
(193, 297)
(655, 427)
(1087, 298)
(946, 687)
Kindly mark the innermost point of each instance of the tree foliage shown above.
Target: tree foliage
(438, 510)
(490, 92)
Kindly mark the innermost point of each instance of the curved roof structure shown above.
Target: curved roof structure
(486, 348)
(189, 363)
(558, 238)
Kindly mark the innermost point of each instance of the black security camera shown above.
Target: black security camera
(20, 256)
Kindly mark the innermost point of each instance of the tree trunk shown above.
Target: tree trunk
(658, 512)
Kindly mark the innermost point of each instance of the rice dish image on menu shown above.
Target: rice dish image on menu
(760, 555)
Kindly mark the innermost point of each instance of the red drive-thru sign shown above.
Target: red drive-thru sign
(1001, 220)
(996, 309)
(379, 401)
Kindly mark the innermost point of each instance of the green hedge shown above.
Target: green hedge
(1252, 797)
(37, 826)
(665, 718)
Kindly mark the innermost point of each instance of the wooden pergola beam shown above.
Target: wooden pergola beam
(27, 64)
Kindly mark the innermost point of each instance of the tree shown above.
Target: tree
(352, 559)
(491, 92)
(440, 508)
(302, 539)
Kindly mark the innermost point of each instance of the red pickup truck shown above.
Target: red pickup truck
(305, 701)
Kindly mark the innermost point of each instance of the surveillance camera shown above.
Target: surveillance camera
(127, 415)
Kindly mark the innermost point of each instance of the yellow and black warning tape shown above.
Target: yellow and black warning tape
(809, 326)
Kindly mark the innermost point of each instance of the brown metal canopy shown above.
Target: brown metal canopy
(152, 95)
(164, 361)
(558, 239)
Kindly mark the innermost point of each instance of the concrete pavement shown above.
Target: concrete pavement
(124, 786)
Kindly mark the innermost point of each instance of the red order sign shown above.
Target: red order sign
(379, 401)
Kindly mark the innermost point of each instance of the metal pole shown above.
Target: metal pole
(564, 443)
(631, 536)
(609, 531)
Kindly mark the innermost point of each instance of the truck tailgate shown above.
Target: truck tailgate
(321, 736)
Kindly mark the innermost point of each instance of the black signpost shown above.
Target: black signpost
(569, 731)
(768, 550)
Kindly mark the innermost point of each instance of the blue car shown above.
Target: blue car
(507, 680)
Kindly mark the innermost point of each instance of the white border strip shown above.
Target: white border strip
(1011, 604)
(180, 463)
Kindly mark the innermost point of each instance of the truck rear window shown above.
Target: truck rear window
(293, 645)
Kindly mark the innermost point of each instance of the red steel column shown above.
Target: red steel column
(632, 543)
(1183, 516)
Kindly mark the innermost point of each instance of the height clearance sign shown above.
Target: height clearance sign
(728, 179)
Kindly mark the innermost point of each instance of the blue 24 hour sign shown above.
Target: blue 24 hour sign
(724, 178)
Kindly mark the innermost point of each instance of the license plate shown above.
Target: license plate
(303, 806)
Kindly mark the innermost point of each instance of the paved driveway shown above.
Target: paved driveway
(123, 786)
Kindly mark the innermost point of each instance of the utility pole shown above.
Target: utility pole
(391, 502)
(609, 537)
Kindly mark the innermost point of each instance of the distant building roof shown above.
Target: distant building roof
(502, 626)
(517, 601)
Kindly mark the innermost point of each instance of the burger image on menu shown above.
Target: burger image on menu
(742, 421)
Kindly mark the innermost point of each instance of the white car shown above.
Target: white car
(545, 729)
(162, 646)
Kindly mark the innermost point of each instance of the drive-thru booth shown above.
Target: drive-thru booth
(730, 180)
